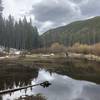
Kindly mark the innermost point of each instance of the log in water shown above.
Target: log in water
(43, 84)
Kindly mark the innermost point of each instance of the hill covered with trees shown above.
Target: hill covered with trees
(84, 32)
(22, 35)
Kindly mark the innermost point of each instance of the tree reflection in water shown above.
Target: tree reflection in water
(11, 77)
(36, 97)
(0, 98)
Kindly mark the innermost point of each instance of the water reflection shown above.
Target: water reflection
(16, 77)
(62, 88)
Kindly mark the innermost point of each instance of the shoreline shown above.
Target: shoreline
(77, 68)
(89, 57)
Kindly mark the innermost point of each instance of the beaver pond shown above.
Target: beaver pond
(65, 86)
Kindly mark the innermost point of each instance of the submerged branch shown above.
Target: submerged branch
(44, 84)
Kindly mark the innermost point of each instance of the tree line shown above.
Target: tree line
(17, 34)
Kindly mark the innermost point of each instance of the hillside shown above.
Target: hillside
(85, 31)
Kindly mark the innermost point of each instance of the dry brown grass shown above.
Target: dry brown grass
(85, 49)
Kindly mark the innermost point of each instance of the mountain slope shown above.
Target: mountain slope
(86, 32)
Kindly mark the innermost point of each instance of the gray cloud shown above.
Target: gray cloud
(60, 12)
(90, 8)
(55, 11)
(77, 1)
(48, 14)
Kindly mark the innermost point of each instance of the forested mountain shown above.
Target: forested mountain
(85, 32)
(22, 35)
(17, 34)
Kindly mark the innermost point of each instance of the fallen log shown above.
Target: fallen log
(43, 84)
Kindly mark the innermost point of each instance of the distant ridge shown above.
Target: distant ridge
(84, 31)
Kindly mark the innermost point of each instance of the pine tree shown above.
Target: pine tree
(1, 22)
(17, 34)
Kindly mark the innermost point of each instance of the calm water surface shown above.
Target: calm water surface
(62, 88)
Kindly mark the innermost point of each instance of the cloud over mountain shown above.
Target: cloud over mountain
(48, 14)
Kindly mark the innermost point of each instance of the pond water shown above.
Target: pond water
(62, 88)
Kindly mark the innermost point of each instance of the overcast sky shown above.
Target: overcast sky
(47, 14)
